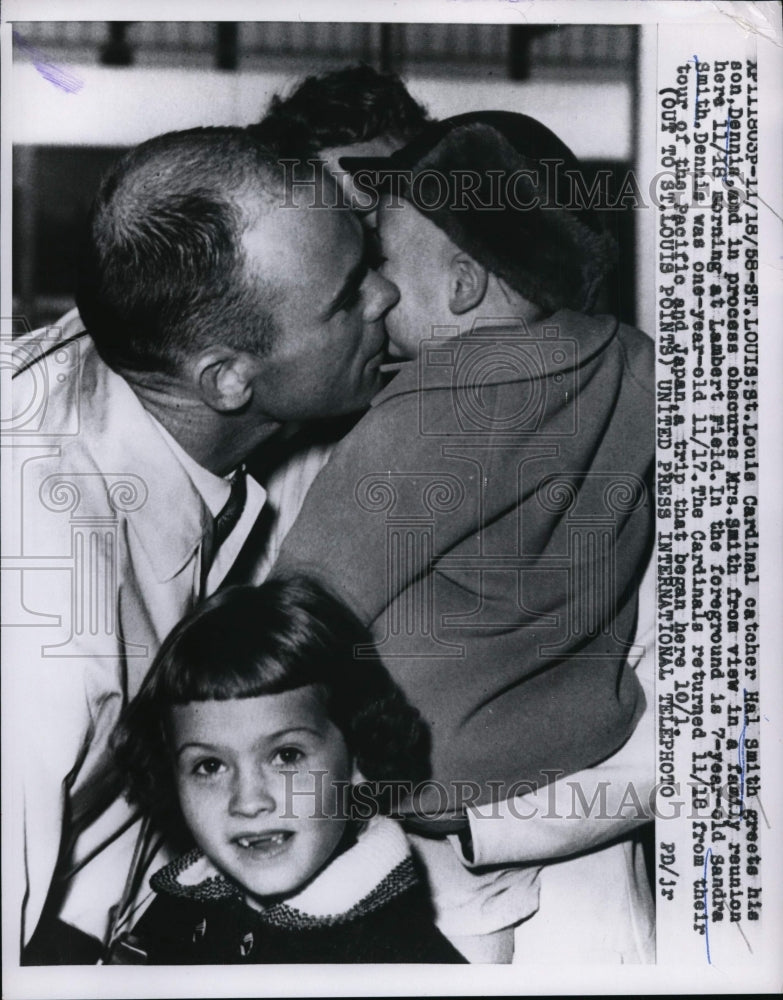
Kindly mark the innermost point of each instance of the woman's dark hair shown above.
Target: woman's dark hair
(249, 641)
(341, 108)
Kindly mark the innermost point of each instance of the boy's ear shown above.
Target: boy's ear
(225, 378)
(356, 776)
(467, 283)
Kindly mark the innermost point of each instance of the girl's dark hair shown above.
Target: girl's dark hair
(249, 641)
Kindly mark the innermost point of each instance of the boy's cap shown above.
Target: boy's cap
(528, 137)
(499, 184)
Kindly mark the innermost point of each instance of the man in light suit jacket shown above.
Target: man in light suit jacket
(214, 314)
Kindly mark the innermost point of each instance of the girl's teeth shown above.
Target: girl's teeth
(271, 839)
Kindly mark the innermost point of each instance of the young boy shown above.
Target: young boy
(489, 518)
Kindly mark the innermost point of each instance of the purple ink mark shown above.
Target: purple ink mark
(54, 74)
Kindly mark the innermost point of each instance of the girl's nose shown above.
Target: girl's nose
(250, 794)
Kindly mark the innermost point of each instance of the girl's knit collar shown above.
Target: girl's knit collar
(352, 880)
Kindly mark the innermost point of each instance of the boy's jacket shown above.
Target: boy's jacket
(489, 518)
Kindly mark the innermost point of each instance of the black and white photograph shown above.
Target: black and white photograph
(390, 570)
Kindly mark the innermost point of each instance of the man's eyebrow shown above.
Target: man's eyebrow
(351, 285)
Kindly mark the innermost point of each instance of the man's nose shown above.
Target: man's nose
(380, 297)
(251, 794)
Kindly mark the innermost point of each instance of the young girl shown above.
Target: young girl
(249, 737)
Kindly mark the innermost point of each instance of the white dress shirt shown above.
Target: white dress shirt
(215, 491)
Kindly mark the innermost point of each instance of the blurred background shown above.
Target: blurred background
(85, 91)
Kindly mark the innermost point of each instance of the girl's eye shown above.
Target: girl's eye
(288, 756)
(208, 767)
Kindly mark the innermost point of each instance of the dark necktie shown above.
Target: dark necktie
(225, 522)
(229, 516)
(243, 569)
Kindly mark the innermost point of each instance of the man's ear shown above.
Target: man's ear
(467, 283)
(225, 378)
